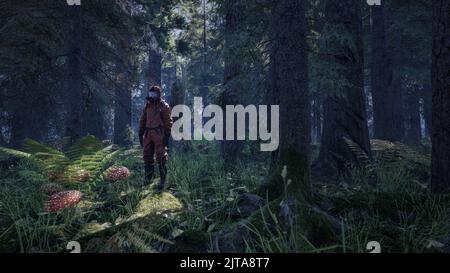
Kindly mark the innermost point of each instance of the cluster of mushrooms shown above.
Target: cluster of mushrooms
(60, 200)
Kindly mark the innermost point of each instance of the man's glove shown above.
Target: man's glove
(141, 138)
(166, 140)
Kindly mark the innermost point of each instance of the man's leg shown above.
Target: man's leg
(149, 161)
(162, 156)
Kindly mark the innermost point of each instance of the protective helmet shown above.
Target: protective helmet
(154, 93)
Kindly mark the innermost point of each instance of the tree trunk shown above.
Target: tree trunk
(274, 92)
(169, 75)
(290, 79)
(345, 110)
(231, 149)
(317, 119)
(74, 88)
(381, 72)
(399, 117)
(427, 101)
(29, 115)
(18, 125)
(2, 139)
(94, 118)
(204, 90)
(412, 113)
(122, 103)
(440, 165)
(154, 65)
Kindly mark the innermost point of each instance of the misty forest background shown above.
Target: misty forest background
(363, 94)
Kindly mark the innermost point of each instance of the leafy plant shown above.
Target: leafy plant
(83, 161)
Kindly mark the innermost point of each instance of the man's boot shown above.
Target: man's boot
(162, 174)
(149, 171)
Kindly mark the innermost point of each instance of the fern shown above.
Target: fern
(357, 151)
(139, 239)
(139, 243)
(33, 147)
(84, 161)
(85, 146)
(6, 153)
(50, 160)
(150, 235)
(386, 151)
(94, 163)
(52, 163)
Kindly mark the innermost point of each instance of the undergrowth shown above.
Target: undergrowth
(387, 201)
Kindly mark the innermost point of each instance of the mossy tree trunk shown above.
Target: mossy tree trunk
(427, 102)
(74, 86)
(122, 99)
(289, 79)
(234, 10)
(344, 108)
(412, 113)
(384, 106)
(440, 165)
(154, 63)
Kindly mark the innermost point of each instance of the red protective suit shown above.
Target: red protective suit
(154, 126)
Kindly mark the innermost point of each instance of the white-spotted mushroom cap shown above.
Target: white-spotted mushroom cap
(62, 200)
(117, 173)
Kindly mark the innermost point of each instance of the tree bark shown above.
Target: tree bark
(2, 139)
(440, 164)
(381, 73)
(154, 64)
(122, 103)
(412, 113)
(290, 79)
(74, 88)
(427, 102)
(231, 149)
(317, 119)
(204, 89)
(398, 98)
(345, 111)
(94, 118)
(18, 125)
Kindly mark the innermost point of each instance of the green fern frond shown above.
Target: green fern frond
(386, 151)
(357, 151)
(139, 243)
(150, 235)
(84, 161)
(94, 163)
(6, 152)
(52, 162)
(33, 147)
(85, 146)
(109, 158)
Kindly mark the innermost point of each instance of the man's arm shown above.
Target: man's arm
(142, 123)
(168, 122)
(167, 119)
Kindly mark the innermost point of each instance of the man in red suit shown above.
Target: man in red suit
(155, 128)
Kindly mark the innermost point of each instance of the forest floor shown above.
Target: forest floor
(207, 209)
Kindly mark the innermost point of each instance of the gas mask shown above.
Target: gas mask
(153, 95)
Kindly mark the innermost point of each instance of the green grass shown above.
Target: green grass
(384, 202)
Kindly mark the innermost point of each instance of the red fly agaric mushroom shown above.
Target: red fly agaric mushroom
(117, 173)
(62, 200)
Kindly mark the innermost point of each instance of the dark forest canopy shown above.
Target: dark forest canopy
(78, 63)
